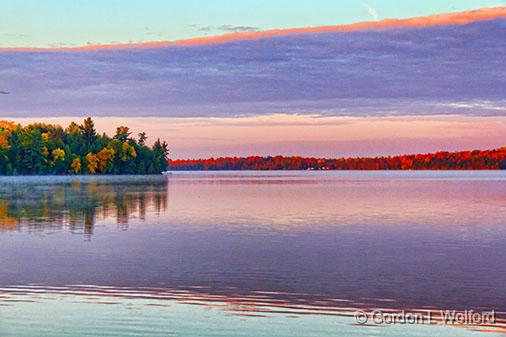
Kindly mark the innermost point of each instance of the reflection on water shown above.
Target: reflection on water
(109, 311)
(77, 203)
(290, 247)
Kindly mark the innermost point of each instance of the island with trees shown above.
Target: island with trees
(44, 149)
(463, 160)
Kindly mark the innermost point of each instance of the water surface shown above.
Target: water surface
(249, 253)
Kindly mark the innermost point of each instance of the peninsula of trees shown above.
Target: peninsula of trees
(44, 149)
(464, 160)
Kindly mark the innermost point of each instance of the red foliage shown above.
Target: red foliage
(465, 160)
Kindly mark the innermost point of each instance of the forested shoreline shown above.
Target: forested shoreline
(45, 149)
(463, 160)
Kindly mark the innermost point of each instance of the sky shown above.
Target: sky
(382, 89)
(50, 23)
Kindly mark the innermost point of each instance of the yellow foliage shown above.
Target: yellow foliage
(128, 151)
(76, 165)
(58, 154)
(92, 163)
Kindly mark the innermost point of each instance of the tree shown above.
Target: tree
(122, 133)
(89, 131)
(161, 153)
(92, 163)
(142, 138)
(74, 128)
(105, 160)
(33, 155)
(465, 160)
(58, 161)
(4, 151)
(76, 165)
(50, 149)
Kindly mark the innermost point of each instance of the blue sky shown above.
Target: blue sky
(55, 23)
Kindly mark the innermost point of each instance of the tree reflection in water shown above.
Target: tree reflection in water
(55, 203)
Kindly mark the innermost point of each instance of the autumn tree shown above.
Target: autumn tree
(76, 166)
(40, 148)
(89, 131)
(122, 133)
(92, 163)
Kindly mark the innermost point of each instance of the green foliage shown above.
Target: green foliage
(50, 149)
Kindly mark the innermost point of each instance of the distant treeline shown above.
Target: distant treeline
(78, 149)
(465, 160)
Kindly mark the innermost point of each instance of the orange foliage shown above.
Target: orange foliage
(7, 125)
(92, 163)
(105, 156)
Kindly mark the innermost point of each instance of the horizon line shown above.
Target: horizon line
(405, 154)
(452, 18)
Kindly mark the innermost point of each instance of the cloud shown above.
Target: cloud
(454, 19)
(229, 29)
(13, 35)
(372, 12)
(389, 72)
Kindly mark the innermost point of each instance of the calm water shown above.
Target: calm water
(250, 254)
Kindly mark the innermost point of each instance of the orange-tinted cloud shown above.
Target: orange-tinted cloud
(460, 18)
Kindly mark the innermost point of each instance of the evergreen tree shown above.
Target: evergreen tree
(50, 149)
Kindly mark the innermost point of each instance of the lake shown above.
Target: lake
(251, 253)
